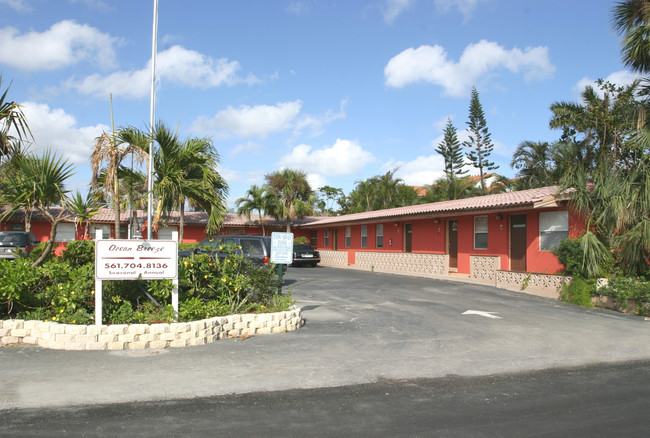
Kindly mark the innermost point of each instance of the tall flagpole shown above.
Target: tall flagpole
(152, 118)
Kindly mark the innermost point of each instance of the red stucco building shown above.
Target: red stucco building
(501, 239)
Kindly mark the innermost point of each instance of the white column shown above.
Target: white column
(175, 283)
(98, 289)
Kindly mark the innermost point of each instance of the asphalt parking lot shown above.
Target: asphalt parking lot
(360, 328)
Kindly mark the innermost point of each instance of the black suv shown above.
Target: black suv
(12, 242)
(257, 248)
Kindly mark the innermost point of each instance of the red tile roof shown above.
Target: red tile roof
(502, 201)
(533, 198)
(107, 215)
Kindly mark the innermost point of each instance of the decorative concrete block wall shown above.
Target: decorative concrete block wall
(537, 284)
(403, 263)
(140, 336)
(484, 267)
(335, 259)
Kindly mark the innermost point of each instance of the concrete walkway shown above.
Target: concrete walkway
(360, 327)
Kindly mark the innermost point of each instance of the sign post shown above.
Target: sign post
(281, 252)
(118, 259)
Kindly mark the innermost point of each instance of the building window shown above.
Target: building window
(326, 236)
(553, 227)
(481, 232)
(313, 240)
(165, 233)
(64, 232)
(348, 237)
(380, 235)
(364, 236)
(106, 231)
(16, 226)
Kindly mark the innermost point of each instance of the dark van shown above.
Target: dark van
(12, 243)
(257, 248)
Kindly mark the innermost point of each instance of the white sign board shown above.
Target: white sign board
(282, 248)
(136, 259)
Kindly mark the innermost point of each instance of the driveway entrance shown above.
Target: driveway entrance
(359, 327)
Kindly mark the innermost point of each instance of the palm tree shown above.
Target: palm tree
(451, 188)
(186, 171)
(604, 124)
(295, 198)
(11, 116)
(85, 208)
(41, 185)
(109, 151)
(363, 196)
(388, 189)
(631, 20)
(534, 161)
(256, 199)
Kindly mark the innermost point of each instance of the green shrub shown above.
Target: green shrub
(61, 290)
(578, 291)
(186, 246)
(570, 254)
(625, 289)
(301, 240)
(38, 250)
(585, 256)
(79, 253)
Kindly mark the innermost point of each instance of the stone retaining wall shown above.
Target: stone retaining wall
(140, 336)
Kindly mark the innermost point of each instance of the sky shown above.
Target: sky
(343, 90)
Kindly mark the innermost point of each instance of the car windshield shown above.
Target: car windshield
(302, 247)
(252, 247)
(209, 245)
(13, 239)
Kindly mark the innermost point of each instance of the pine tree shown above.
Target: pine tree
(479, 144)
(451, 151)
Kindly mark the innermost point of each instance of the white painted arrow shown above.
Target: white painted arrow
(482, 313)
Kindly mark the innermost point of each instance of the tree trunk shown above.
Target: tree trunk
(116, 204)
(181, 224)
(50, 243)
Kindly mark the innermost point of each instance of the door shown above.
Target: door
(452, 248)
(408, 238)
(518, 242)
(335, 242)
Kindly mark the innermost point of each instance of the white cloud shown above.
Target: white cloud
(17, 5)
(421, 171)
(466, 7)
(345, 157)
(250, 121)
(57, 130)
(393, 9)
(65, 43)
(176, 65)
(316, 181)
(431, 64)
(262, 120)
(621, 78)
(315, 123)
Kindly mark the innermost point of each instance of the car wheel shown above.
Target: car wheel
(313, 265)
